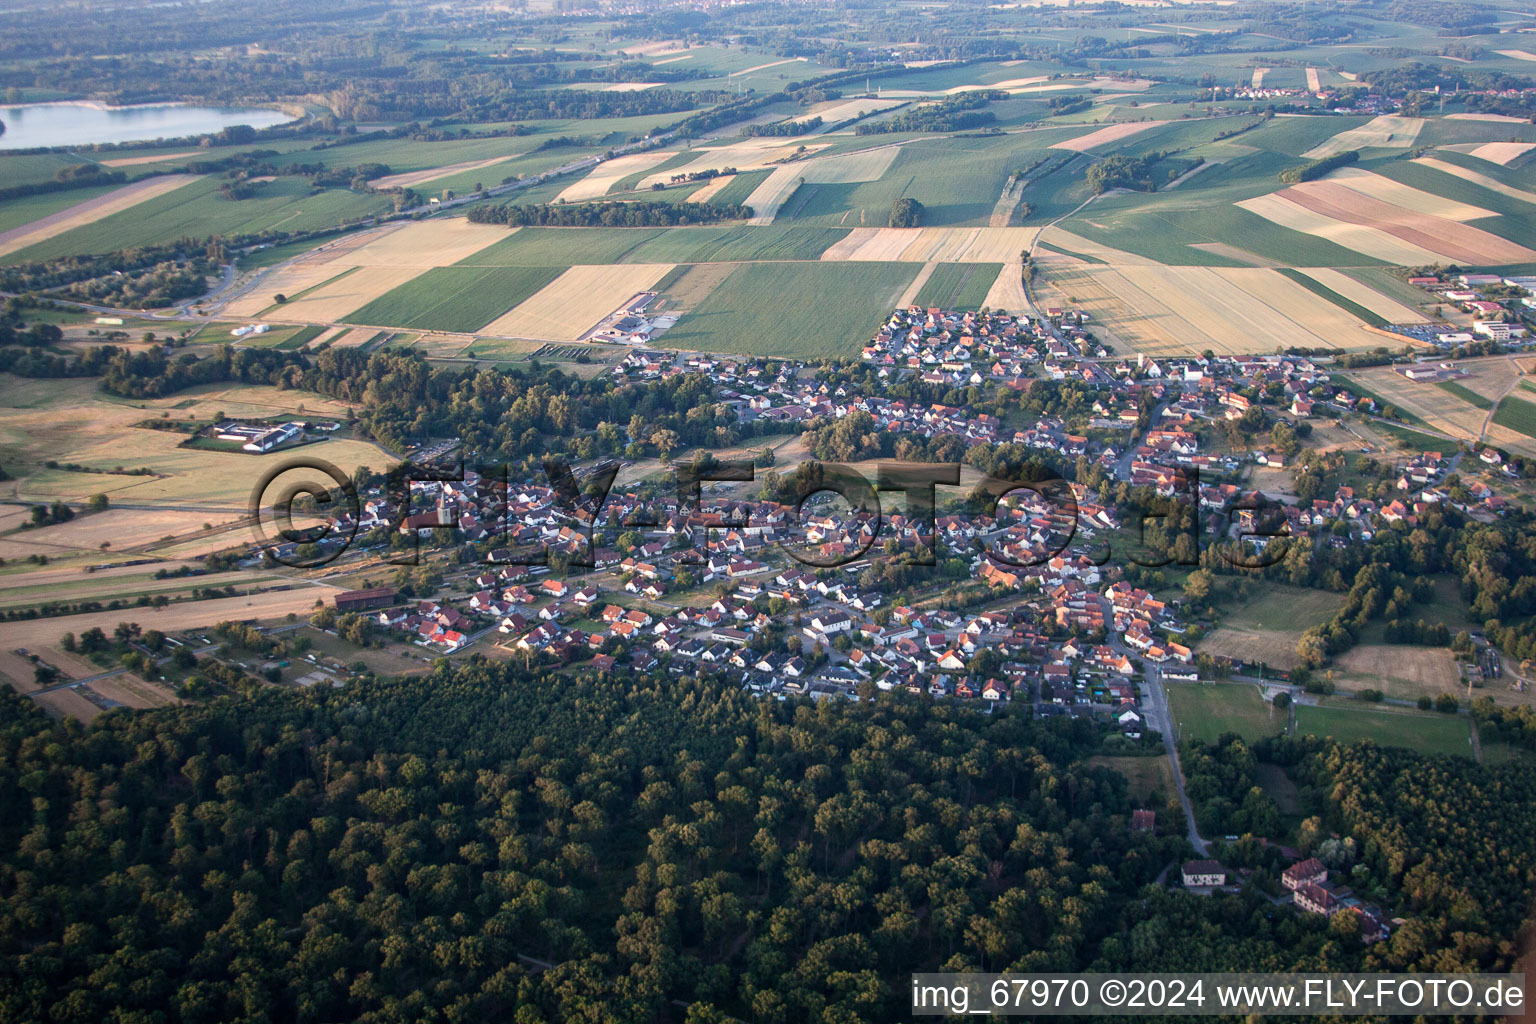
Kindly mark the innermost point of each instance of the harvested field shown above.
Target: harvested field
(749, 154)
(133, 692)
(414, 178)
(1172, 310)
(1403, 671)
(349, 290)
(291, 280)
(671, 60)
(931, 245)
(608, 174)
(845, 110)
(1388, 309)
(1501, 153)
(1258, 77)
(1390, 131)
(1314, 81)
(153, 158)
(763, 67)
(1498, 118)
(1518, 54)
(1104, 136)
(1279, 209)
(573, 303)
(427, 243)
(1444, 410)
(1064, 239)
(1446, 238)
(1477, 178)
(863, 165)
(629, 86)
(91, 211)
(1007, 291)
(68, 704)
(123, 528)
(711, 188)
(1276, 648)
(1358, 179)
(38, 633)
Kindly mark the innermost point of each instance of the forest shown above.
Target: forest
(482, 844)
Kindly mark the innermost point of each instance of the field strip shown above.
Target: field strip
(750, 154)
(1088, 247)
(413, 178)
(862, 165)
(711, 188)
(139, 161)
(573, 303)
(1460, 243)
(1314, 81)
(1388, 191)
(1388, 309)
(1518, 54)
(630, 86)
(347, 292)
(1477, 178)
(1389, 131)
(39, 633)
(1007, 291)
(92, 210)
(1105, 135)
(1501, 153)
(930, 245)
(1007, 201)
(671, 60)
(424, 244)
(849, 246)
(1258, 78)
(764, 67)
(1500, 118)
(1232, 252)
(839, 112)
(1368, 241)
(916, 285)
(608, 173)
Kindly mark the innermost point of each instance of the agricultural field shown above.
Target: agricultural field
(793, 309)
(1204, 711)
(1266, 628)
(1401, 671)
(1447, 410)
(958, 285)
(462, 299)
(1518, 415)
(83, 214)
(1428, 733)
(1186, 310)
(572, 303)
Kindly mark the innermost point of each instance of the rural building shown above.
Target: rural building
(363, 600)
(1314, 899)
(1308, 872)
(1143, 821)
(1203, 874)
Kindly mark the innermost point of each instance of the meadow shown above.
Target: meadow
(958, 285)
(808, 310)
(1204, 711)
(1427, 733)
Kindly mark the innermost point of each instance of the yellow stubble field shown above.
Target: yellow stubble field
(573, 303)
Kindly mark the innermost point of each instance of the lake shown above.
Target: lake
(36, 125)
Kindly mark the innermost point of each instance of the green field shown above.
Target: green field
(16, 212)
(1516, 414)
(565, 247)
(1204, 711)
(1466, 394)
(740, 187)
(958, 285)
(1427, 733)
(459, 299)
(1415, 440)
(794, 309)
(196, 210)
